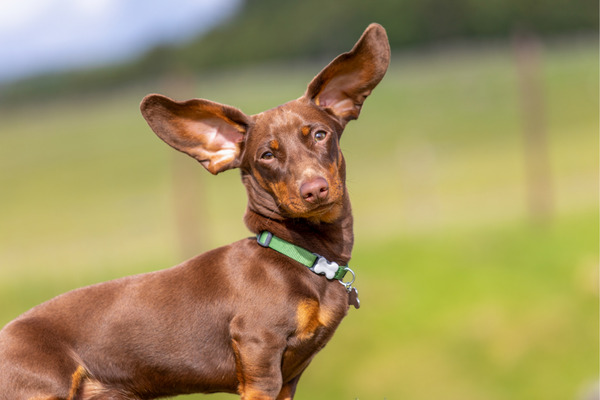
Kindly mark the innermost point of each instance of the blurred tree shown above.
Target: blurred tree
(267, 30)
(270, 29)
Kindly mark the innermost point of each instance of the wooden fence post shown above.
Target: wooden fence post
(540, 197)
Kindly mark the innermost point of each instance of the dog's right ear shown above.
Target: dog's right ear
(343, 85)
(210, 132)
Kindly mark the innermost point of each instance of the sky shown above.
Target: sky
(39, 36)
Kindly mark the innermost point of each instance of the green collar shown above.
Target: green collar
(316, 263)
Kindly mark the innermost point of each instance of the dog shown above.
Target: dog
(246, 318)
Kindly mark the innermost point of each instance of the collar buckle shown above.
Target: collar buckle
(324, 267)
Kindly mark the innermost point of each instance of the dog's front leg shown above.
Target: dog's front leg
(288, 389)
(258, 354)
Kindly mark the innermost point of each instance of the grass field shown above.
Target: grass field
(464, 297)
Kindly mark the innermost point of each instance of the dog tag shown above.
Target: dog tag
(353, 298)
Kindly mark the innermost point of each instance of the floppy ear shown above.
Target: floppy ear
(343, 85)
(210, 132)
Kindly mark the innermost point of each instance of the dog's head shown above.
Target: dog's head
(289, 156)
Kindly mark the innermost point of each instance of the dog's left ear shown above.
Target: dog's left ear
(210, 132)
(343, 85)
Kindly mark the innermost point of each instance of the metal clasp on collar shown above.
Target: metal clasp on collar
(348, 285)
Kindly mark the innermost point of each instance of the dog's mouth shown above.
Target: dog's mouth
(323, 208)
(295, 204)
(322, 212)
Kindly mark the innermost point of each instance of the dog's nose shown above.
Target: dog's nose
(314, 190)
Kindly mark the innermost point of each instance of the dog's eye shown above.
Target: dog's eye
(320, 135)
(267, 155)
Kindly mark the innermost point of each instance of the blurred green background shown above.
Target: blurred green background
(473, 173)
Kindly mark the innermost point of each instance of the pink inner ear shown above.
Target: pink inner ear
(213, 142)
(340, 106)
(343, 85)
(337, 95)
(208, 131)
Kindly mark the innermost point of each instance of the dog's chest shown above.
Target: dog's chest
(315, 325)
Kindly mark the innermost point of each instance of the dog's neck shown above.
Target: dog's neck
(331, 240)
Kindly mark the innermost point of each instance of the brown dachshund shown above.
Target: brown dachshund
(246, 318)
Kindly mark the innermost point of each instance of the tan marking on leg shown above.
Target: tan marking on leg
(77, 378)
(287, 393)
(310, 316)
(238, 366)
(255, 395)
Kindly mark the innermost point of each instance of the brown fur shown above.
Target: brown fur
(241, 318)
